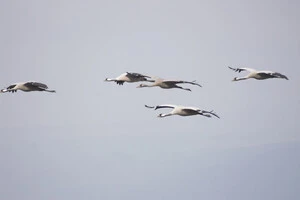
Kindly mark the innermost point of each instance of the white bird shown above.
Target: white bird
(168, 84)
(27, 87)
(129, 78)
(259, 75)
(183, 111)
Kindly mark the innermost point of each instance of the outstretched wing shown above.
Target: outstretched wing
(242, 69)
(37, 85)
(136, 75)
(179, 82)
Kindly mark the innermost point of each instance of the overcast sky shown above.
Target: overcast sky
(96, 140)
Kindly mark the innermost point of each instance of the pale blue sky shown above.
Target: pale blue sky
(96, 140)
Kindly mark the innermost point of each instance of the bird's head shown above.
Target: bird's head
(160, 115)
(235, 79)
(141, 85)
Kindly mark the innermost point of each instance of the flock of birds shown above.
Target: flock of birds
(156, 82)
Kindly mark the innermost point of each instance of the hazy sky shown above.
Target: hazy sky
(96, 140)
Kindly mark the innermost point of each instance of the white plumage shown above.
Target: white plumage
(183, 111)
(259, 75)
(27, 87)
(129, 78)
(168, 84)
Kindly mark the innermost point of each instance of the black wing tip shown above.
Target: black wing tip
(149, 106)
(232, 68)
(285, 77)
(235, 69)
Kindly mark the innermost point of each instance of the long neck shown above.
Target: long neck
(110, 79)
(240, 78)
(165, 115)
(151, 85)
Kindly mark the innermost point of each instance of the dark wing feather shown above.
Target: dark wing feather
(11, 86)
(149, 106)
(164, 106)
(278, 75)
(190, 111)
(137, 75)
(236, 69)
(265, 75)
(120, 82)
(36, 84)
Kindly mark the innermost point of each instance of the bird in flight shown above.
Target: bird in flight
(129, 78)
(259, 75)
(168, 84)
(27, 87)
(183, 111)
